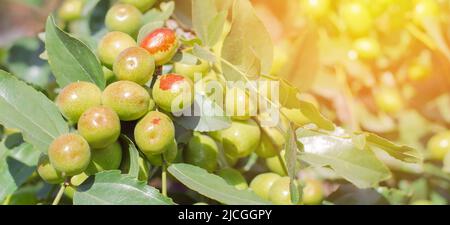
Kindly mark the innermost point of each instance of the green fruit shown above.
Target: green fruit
(134, 64)
(129, 100)
(240, 139)
(425, 10)
(173, 92)
(47, 172)
(162, 44)
(124, 18)
(238, 104)
(367, 48)
(100, 126)
(312, 192)
(388, 100)
(168, 156)
(142, 5)
(274, 164)
(71, 10)
(202, 151)
(210, 86)
(69, 154)
(262, 183)
(439, 145)
(357, 18)
(280, 193)
(272, 141)
(76, 98)
(108, 158)
(111, 45)
(154, 133)
(190, 71)
(234, 178)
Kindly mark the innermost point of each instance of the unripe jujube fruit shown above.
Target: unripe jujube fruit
(71, 10)
(128, 99)
(154, 133)
(191, 71)
(100, 126)
(108, 158)
(162, 44)
(124, 18)
(439, 145)
(238, 104)
(425, 10)
(272, 141)
(233, 177)
(168, 156)
(202, 151)
(262, 183)
(240, 139)
(388, 100)
(280, 193)
(69, 154)
(76, 98)
(357, 18)
(274, 164)
(142, 5)
(134, 64)
(47, 172)
(312, 192)
(111, 45)
(173, 92)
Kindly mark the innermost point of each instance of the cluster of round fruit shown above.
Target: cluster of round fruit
(138, 96)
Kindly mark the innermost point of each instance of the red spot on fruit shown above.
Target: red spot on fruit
(168, 80)
(161, 39)
(156, 121)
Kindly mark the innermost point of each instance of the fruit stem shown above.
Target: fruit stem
(164, 180)
(59, 195)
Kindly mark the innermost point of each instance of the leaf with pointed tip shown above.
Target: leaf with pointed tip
(400, 152)
(133, 156)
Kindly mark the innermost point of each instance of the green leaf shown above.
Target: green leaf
(16, 165)
(312, 113)
(304, 61)
(400, 152)
(213, 186)
(248, 47)
(70, 59)
(147, 29)
(162, 14)
(291, 164)
(204, 54)
(338, 151)
(113, 188)
(133, 155)
(207, 22)
(215, 28)
(30, 111)
(206, 116)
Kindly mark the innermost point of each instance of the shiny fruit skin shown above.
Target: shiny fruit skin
(388, 100)
(142, 5)
(240, 139)
(69, 154)
(280, 193)
(111, 45)
(169, 155)
(316, 8)
(357, 18)
(262, 183)
(190, 71)
(108, 158)
(154, 133)
(439, 145)
(100, 126)
(274, 165)
(425, 10)
(367, 48)
(312, 192)
(71, 10)
(134, 64)
(129, 100)
(202, 151)
(173, 92)
(47, 172)
(162, 44)
(238, 104)
(233, 177)
(76, 98)
(272, 141)
(124, 18)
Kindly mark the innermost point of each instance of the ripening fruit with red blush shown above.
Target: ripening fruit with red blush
(173, 92)
(162, 44)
